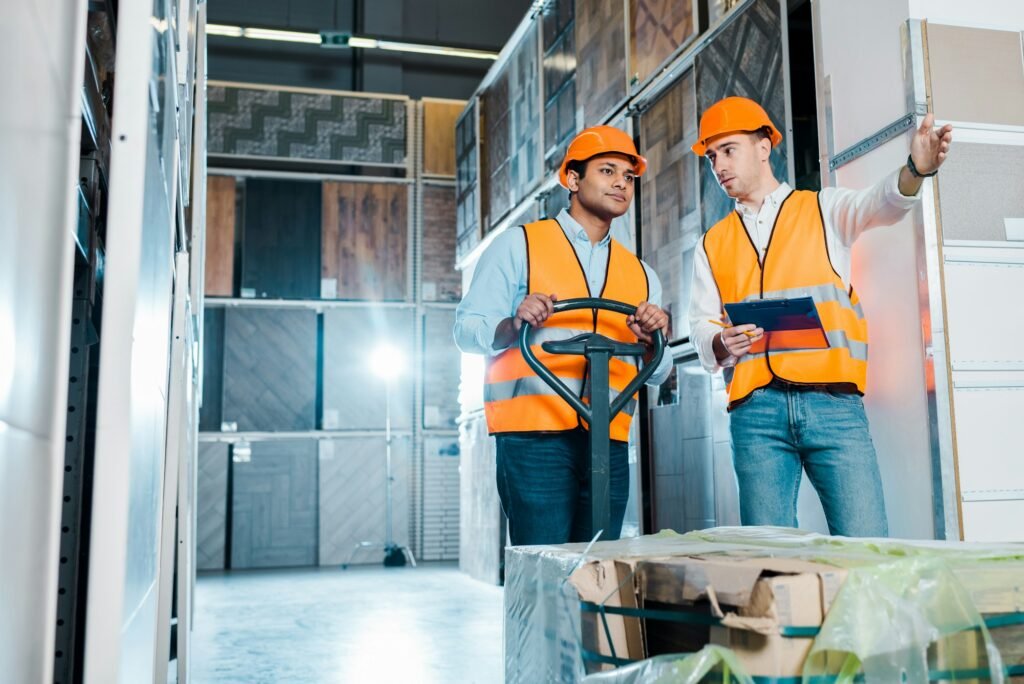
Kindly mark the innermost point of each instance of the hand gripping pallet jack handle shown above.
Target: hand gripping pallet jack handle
(598, 351)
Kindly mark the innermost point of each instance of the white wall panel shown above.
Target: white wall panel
(986, 521)
(42, 46)
(998, 14)
(985, 324)
(990, 441)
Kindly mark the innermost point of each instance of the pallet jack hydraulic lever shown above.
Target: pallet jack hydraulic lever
(600, 411)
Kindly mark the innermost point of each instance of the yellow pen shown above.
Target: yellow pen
(720, 324)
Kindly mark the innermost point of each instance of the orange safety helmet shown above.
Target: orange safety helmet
(600, 140)
(733, 115)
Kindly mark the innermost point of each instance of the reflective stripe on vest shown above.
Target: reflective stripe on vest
(796, 264)
(515, 398)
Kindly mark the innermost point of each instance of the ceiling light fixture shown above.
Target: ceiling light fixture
(335, 39)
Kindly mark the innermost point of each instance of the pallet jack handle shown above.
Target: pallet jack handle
(598, 415)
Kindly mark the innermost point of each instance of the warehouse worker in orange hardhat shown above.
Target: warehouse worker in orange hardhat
(543, 472)
(795, 406)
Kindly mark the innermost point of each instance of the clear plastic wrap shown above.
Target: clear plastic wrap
(902, 608)
(679, 669)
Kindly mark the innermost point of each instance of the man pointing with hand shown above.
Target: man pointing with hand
(543, 471)
(795, 409)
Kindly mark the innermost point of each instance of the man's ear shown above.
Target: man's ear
(766, 148)
(572, 178)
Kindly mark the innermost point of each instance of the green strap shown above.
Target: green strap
(686, 618)
(1004, 620)
(992, 622)
(934, 675)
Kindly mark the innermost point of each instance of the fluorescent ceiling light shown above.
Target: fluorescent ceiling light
(262, 34)
(342, 40)
(432, 50)
(222, 30)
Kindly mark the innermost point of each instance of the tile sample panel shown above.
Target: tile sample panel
(281, 239)
(274, 505)
(365, 241)
(270, 358)
(353, 394)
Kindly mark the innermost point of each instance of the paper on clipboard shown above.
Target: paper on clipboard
(789, 324)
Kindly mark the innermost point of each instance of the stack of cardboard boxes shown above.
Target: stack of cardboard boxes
(765, 602)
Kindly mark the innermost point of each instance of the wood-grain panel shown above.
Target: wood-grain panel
(600, 57)
(439, 119)
(365, 240)
(221, 196)
(281, 242)
(441, 282)
(657, 28)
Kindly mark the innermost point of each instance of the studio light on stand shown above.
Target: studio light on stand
(388, 363)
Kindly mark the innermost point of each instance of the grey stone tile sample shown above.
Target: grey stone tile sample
(211, 505)
(270, 358)
(274, 505)
(352, 497)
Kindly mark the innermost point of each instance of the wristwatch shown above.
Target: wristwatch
(914, 172)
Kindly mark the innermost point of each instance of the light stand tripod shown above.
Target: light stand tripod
(395, 555)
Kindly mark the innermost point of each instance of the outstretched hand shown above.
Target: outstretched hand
(930, 146)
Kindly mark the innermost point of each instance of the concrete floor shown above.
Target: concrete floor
(366, 624)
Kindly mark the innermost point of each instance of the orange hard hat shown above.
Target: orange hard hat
(733, 115)
(600, 140)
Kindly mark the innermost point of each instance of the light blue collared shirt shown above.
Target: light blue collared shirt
(499, 286)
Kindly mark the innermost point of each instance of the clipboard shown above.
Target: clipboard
(788, 323)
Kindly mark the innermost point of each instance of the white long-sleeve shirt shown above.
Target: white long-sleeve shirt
(847, 214)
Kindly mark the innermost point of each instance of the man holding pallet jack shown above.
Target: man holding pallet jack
(543, 468)
(794, 406)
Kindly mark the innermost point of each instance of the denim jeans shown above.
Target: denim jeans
(544, 486)
(778, 432)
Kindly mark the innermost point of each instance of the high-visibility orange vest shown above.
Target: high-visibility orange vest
(796, 264)
(515, 398)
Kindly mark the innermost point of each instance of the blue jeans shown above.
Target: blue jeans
(776, 432)
(544, 486)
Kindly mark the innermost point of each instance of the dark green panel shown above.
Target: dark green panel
(213, 370)
(281, 239)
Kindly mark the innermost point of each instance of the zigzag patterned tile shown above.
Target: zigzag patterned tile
(352, 497)
(746, 60)
(283, 124)
(211, 505)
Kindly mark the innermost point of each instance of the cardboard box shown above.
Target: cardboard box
(608, 583)
(751, 598)
(754, 598)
